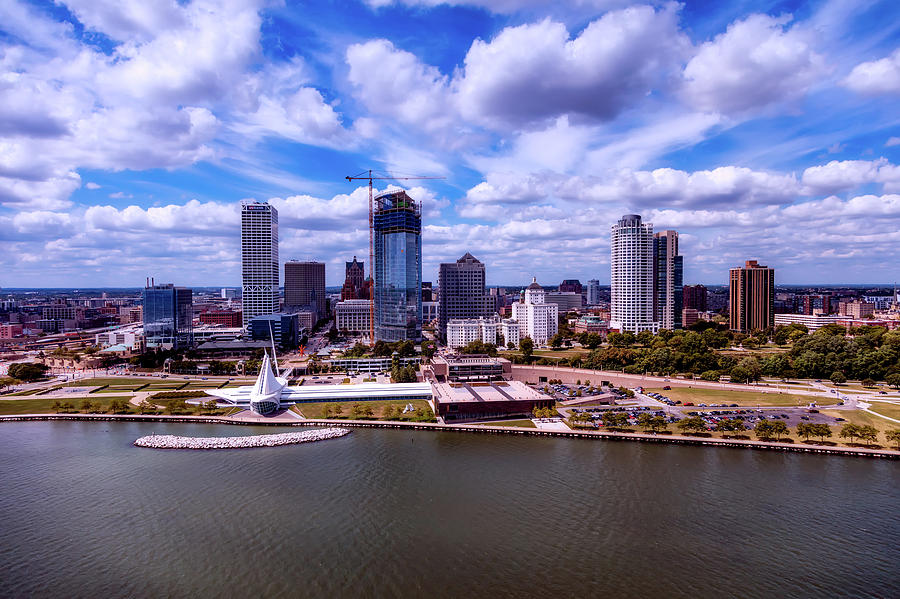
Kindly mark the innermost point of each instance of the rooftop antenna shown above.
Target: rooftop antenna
(274, 355)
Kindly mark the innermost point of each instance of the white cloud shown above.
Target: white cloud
(755, 63)
(876, 77)
(844, 175)
(127, 19)
(531, 73)
(892, 141)
(91, 185)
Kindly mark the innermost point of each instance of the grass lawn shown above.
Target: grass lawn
(316, 410)
(42, 406)
(24, 393)
(887, 409)
(742, 398)
(862, 418)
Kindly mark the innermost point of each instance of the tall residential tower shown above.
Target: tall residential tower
(259, 259)
(631, 276)
(668, 277)
(752, 297)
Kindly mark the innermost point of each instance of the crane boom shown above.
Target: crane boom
(368, 176)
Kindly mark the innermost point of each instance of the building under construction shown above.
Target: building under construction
(397, 227)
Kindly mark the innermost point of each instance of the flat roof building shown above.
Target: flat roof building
(751, 297)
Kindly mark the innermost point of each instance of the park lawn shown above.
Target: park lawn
(24, 393)
(42, 406)
(862, 418)
(886, 409)
(316, 409)
(115, 390)
(520, 423)
(742, 398)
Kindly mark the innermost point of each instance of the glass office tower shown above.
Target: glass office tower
(398, 267)
(168, 316)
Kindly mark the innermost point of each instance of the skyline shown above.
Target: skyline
(128, 136)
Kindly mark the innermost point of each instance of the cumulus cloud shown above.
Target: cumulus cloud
(535, 72)
(876, 77)
(758, 61)
(845, 175)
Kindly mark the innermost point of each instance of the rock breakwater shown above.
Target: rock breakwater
(175, 442)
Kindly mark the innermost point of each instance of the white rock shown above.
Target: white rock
(174, 442)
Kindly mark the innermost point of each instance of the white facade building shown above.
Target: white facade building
(259, 260)
(509, 328)
(352, 315)
(537, 319)
(631, 265)
(463, 331)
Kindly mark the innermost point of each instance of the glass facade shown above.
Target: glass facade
(398, 267)
(168, 316)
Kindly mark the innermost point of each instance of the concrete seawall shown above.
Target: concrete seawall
(485, 429)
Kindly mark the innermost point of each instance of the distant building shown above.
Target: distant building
(228, 293)
(631, 271)
(226, 318)
(571, 286)
(751, 297)
(355, 286)
(8, 331)
(509, 328)
(430, 311)
(398, 267)
(463, 293)
(259, 260)
(694, 296)
(353, 316)
(567, 301)
(881, 302)
(593, 292)
(304, 287)
(857, 309)
(284, 328)
(668, 274)
(131, 338)
(537, 318)
(817, 304)
(470, 368)
(689, 316)
(168, 316)
(591, 324)
(428, 293)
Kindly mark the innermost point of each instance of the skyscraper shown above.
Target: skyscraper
(259, 259)
(354, 281)
(695, 297)
(304, 287)
(398, 267)
(593, 292)
(536, 318)
(751, 297)
(631, 272)
(168, 316)
(668, 276)
(462, 292)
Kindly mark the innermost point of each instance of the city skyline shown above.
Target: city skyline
(768, 136)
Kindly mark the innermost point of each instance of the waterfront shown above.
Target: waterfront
(395, 512)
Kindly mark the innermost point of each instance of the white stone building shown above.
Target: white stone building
(537, 319)
(631, 266)
(352, 315)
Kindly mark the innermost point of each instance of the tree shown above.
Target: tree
(849, 431)
(724, 426)
(816, 430)
(27, 371)
(868, 382)
(693, 424)
(526, 346)
(779, 429)
(893, 436)
(838, 378)
(337, 409)
(893, 380)
(556, 341)
(428, 349)
(56, 406)
(738, 426)
(388, 413)
(763, 429)
(86, 405)
(805, 430)
(710, 375)
(868, 433)
(147, 406)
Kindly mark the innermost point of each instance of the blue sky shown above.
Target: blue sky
(130, 130)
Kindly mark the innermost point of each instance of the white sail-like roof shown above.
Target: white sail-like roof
(266, 384)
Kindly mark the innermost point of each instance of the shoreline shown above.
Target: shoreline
(481, 428)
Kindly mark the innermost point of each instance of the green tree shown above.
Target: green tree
(693, 424)
(556, 341)
(893, 436)
(146, 406)
(868, 433)
(763, 429)
(86, 405)
(724, 426)
(867, 382)
(779, 429)
(893, 380)
(838, 378)
(56, 406)
(710, 375)
(526, 346)
(27, 371)
(388, 413)
(805, 430)
(738, 426)
(849, 431)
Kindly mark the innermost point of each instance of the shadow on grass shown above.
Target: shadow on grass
(826, 443)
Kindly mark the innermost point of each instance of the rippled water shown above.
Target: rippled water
(402, 513)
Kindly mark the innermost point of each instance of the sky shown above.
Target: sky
(130, 131)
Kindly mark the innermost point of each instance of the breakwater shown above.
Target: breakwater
(175, 442)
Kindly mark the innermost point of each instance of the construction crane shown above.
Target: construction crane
(368, 176)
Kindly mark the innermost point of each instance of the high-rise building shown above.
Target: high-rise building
(355, 287)
(462, 292)
(428, 294)
(668, 276)
(259, 259)
(168, 316)
(398, 267)
(304, 287)
(537, 318)
(751, 297)
(631, 271)
(593, 292)
(694, 296)
(570, 285)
